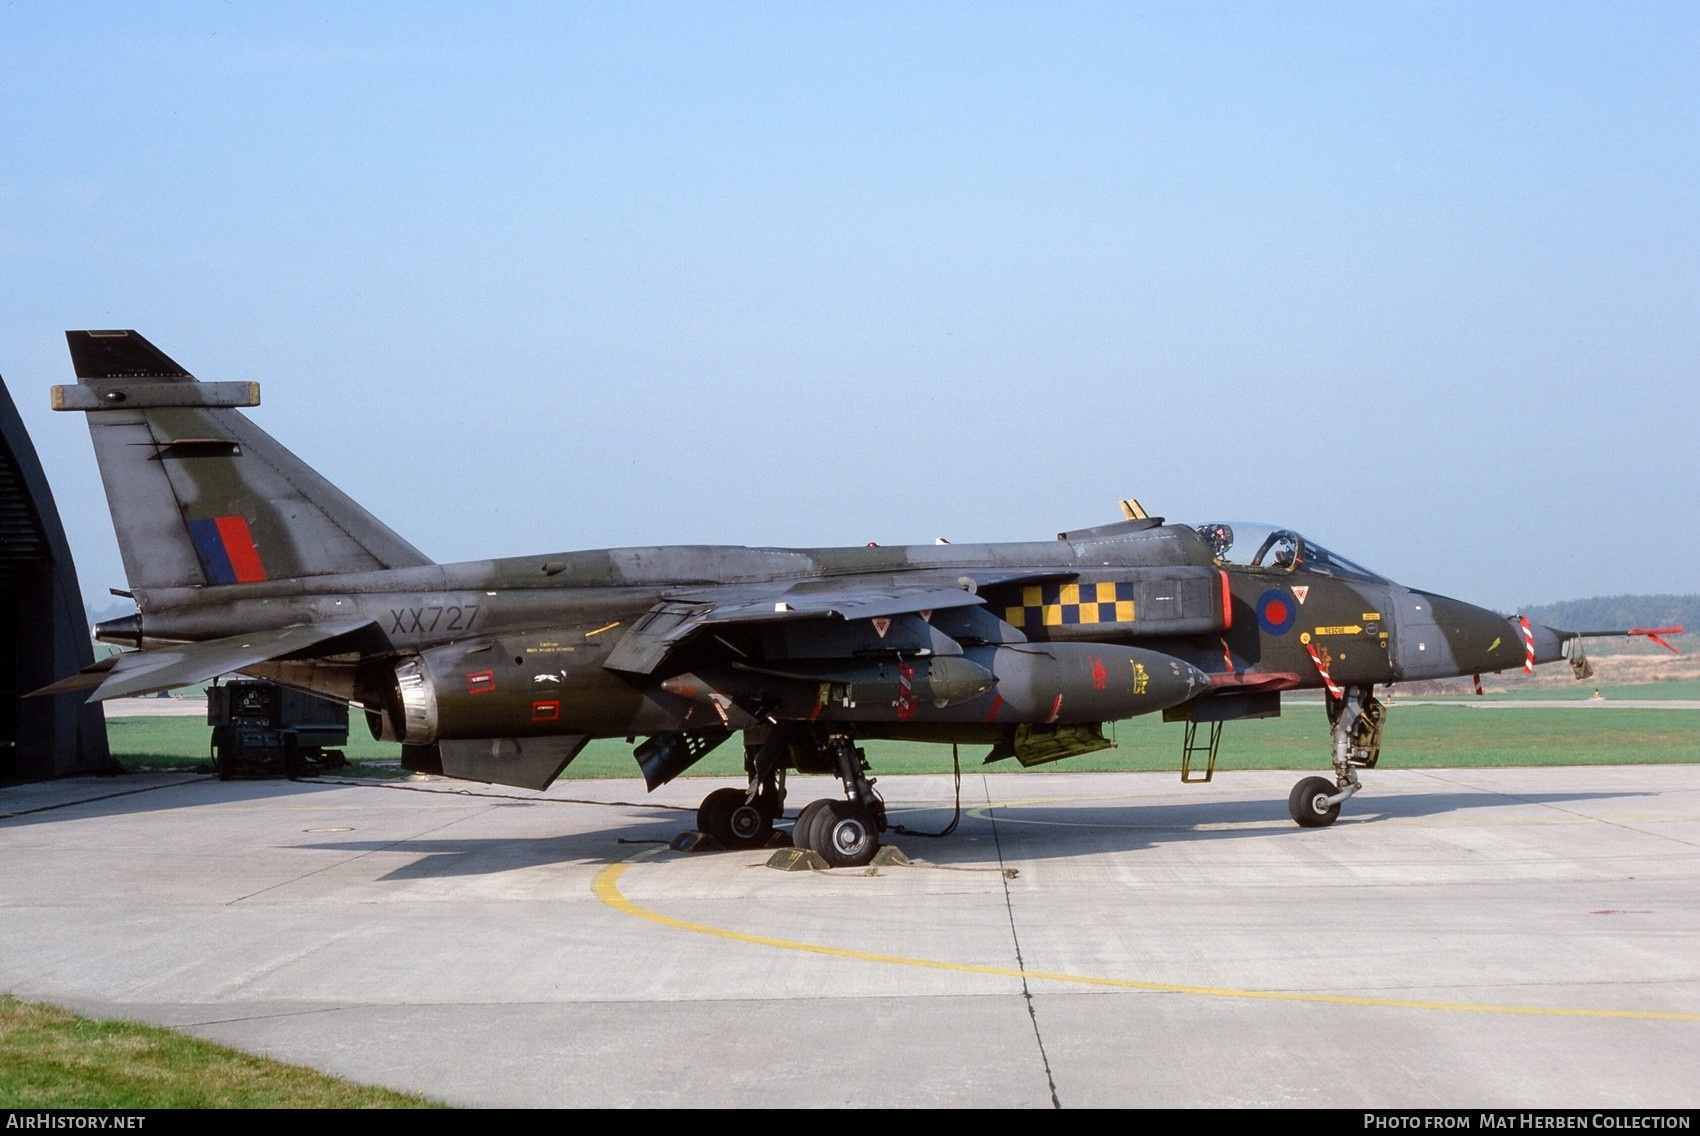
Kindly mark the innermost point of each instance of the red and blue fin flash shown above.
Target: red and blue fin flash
(227, 551)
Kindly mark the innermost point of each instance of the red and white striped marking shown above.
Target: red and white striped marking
(1478, 679)
(1227, 655)
(1333, 688)
(905, 691)
(1528, 645)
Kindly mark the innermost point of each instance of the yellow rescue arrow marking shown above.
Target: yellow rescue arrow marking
(1351, 629)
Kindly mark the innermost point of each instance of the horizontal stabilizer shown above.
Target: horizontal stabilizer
(88, 678)
(165, 668)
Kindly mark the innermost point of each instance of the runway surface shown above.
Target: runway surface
(1481, 938)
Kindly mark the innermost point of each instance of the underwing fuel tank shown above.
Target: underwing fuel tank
(1025, 682)
(944, 680)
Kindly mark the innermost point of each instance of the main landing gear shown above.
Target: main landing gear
(1356, 718)
(845, 833)
(743, 818)
(737, 819)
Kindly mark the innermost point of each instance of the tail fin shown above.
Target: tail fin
(200, 495)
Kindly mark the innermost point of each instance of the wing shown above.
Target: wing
(892, 616)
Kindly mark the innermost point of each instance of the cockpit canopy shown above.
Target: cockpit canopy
(1252, 545)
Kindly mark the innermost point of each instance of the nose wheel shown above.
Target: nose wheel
(1355, 720)
(1312, 803)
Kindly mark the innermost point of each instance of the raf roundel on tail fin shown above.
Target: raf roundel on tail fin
(200, 496)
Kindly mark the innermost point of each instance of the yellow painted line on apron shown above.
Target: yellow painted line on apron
(980, 812)
(983, 812)
(606, 886)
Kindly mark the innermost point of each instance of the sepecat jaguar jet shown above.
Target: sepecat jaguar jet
(241, 558)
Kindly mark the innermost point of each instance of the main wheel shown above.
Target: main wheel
(800, 835)
(714, 815)
(845, 834)
(1309, 805)
(748, 824)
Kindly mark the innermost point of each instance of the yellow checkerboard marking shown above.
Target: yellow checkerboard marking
(1063, 605)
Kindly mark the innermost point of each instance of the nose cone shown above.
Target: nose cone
(1480, 640)
(1438, 637)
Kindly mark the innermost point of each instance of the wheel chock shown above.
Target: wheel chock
(798, 860)
(694, 841)
(887, 856)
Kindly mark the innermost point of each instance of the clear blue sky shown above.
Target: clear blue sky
(1421, 280)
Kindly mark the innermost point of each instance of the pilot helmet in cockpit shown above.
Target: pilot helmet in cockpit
(1220, 538)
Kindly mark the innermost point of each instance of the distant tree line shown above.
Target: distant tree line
(1616, 613)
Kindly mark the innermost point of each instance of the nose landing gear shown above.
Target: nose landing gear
(1356, 718)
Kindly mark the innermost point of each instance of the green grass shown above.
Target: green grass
(1449, 734)
(183, 742)
(1687, 689)
(1416, 737)
(50, 1058)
